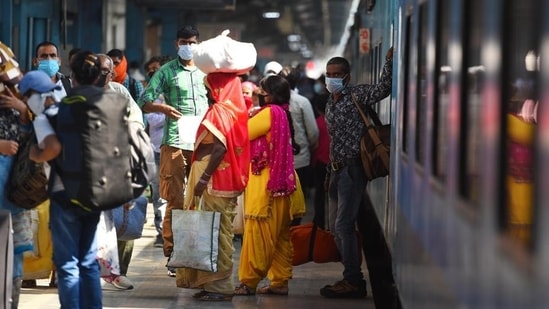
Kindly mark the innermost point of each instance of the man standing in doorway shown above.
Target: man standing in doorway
(182, 85)
(346, 176)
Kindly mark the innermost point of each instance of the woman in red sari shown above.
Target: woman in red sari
(219, 173)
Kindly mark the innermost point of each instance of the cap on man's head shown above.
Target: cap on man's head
(38, 81)
(272, 68)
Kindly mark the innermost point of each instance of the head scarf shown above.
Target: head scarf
(227, 119)
(121, 71)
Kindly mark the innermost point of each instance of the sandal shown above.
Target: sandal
(243, 290)
(211, 296)
(273, 290)
(200, 294)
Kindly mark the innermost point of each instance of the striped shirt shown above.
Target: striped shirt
(183, 88)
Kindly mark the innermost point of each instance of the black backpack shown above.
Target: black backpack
(94, 166)
(143, 166)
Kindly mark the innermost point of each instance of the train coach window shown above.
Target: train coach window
(406, 95)
(440, 147)
(473, 75)
(421, 105)
(520, 93)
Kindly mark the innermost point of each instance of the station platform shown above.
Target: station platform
(153, 288)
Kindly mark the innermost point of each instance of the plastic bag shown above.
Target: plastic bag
(223, 54)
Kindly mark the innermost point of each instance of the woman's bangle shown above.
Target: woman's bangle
(205, 176)
(203, 181)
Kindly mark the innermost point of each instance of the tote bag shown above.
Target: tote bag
(238, 221)
(195, 239)
(129, 220)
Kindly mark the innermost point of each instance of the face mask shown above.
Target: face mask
(49, 66)
(36, 103)
(149, 76)
(261, 99)
(185, 52)
(334, 84)
(101, 81)
(318, 88)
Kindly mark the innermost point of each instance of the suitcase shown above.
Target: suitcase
(6, 257)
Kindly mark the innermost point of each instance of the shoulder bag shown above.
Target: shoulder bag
(129, 220)
(27, 187)
(374, 144)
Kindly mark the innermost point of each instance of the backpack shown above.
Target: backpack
(27, 184)
(134, 92)
(66, 82)
(94, 165)
(142, 163)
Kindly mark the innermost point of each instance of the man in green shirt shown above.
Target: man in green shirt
(182, 85)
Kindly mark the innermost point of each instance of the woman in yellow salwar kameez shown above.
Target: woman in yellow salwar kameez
(273, 196)
(219, 174)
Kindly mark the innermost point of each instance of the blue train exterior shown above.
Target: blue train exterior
(457, 233)
(464, 210)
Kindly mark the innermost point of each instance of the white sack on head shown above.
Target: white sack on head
(223, 54)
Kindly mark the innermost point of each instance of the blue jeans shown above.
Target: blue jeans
(74, 253)
(345, 195)
(6, 163)
(159, 204)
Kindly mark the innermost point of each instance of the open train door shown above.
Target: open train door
(6, 257)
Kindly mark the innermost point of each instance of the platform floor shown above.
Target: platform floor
(154, 289)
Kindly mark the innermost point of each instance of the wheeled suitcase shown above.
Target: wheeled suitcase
(6, 257)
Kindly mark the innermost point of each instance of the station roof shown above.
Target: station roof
(303, 28)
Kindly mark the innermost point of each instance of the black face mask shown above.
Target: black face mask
(211, 100)
(101, 81)
(261, 99)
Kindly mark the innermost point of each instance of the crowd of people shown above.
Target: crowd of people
(264, 138)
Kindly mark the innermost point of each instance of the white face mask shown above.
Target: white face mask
(334, 84)
(36, 103)
(185, 51)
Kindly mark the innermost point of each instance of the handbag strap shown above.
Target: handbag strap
(371, 129)
(312, 241)
(125, 214)
(198, 203)
(372, 113)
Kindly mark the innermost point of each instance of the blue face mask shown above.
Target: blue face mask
(49, 66)
(334, 84)
(185, 52)
(318, 88)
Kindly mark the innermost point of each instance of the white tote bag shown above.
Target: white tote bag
(238, 221)
(195, 239)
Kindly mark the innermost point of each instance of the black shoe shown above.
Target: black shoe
(344, 289)
(171, 270)
(158, 242)
(28, 284)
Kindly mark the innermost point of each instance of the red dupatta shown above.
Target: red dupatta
(227, 119)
